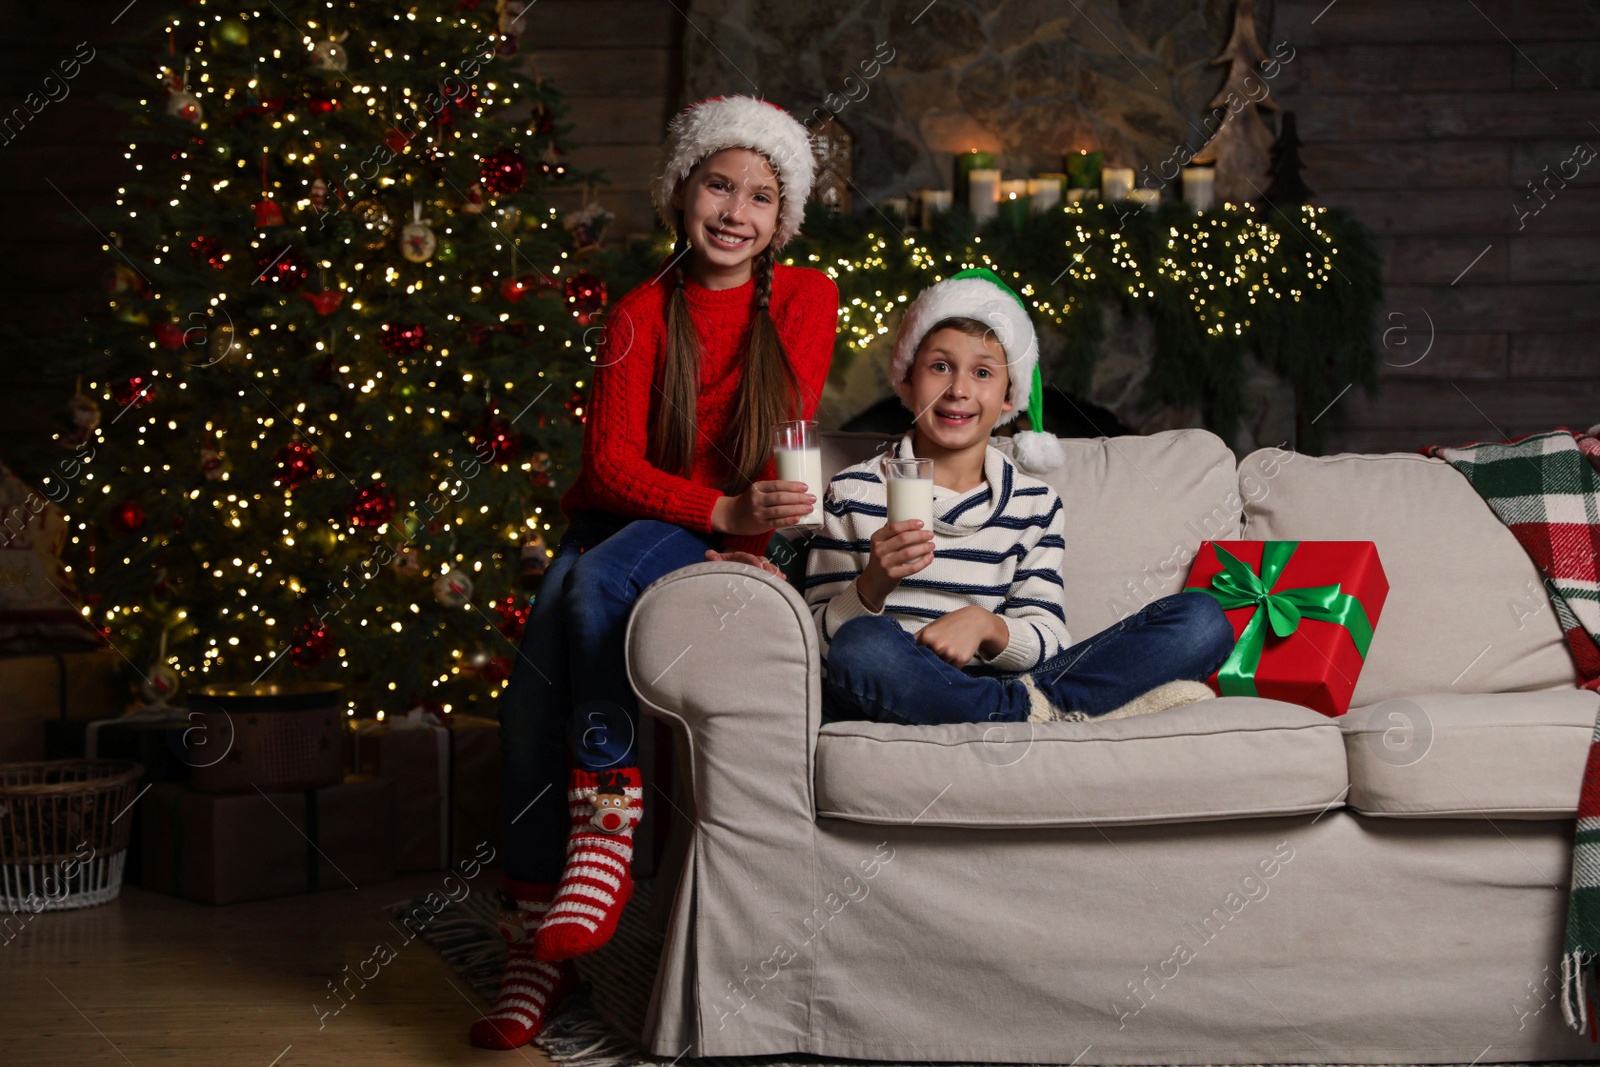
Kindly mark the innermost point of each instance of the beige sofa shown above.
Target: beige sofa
(1235, 881)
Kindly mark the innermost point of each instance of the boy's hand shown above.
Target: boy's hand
(899, 550)
(713, 556)
(960, 635)
(763, 506)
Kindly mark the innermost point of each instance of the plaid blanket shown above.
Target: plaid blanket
(1546, 489)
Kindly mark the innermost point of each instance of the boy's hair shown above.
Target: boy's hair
(769, 391)
(967, 325)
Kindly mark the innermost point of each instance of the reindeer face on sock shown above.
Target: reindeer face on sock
(610, 802)
(510, 918)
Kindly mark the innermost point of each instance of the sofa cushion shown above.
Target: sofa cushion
(1470, 755)
(1228, 758)
(1466, 611)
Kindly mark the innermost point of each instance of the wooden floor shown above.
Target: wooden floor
(153, 980)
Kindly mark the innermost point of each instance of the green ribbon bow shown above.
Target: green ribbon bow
(1237, 586)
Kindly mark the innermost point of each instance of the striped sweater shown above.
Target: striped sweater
(999, 545)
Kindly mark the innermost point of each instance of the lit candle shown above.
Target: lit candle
(1083, 169)
(1149, 198)
(983, 193)
(1045, 191)
(1014, 202)
(966, 163)
(1199, 184)
(934, 201)
(1116, 183)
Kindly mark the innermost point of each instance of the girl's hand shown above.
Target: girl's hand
(762, 507)
(713, 556)
(899, 550)
(960, 635)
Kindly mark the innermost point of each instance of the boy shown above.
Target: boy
(966, 622)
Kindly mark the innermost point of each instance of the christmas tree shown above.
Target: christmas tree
(345, 351)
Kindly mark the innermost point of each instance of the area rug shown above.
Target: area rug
(592, 1027)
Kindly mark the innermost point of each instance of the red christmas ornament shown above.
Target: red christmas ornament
(309, 645)
(496, 670)
(397, 140)
(326, 302)
(127, 516)
(255, 111)
(586, 296)
(168, 335)
(286, 269)
(513, 619)
(320, 106)
(268, 213)
(373, 506)
(297, 463)
(400, 338)
(207, 250)
(514, 289)
(542, 119)
(539, 463)
(494, 441)
(138, 390)
(503, 171)
(466, 100)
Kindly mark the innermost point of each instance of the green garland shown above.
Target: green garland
(1301, 290)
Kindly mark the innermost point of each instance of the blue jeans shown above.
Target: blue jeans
(876, 670)
(568, 702)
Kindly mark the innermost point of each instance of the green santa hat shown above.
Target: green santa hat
(980, 294)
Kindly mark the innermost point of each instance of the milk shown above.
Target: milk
(803, 465)
(911, 498)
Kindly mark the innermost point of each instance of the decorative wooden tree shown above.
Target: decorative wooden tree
(1287, 186)
(1239, 148)
(835, 145)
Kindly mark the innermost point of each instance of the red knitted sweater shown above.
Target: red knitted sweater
(616, 476)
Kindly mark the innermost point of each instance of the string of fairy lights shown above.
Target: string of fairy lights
(259, 547)
(1251, 259)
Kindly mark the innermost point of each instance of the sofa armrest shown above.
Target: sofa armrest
(728, 653)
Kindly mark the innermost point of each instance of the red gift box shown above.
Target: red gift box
(1303, 613)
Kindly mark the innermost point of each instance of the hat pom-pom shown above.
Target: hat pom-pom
(1038, 452)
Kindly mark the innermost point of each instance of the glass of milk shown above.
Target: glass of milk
(797, 450)
(910, 484)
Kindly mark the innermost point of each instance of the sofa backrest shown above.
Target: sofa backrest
(1137, 509)
(1466, 610)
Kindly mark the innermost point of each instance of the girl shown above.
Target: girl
(696, 367)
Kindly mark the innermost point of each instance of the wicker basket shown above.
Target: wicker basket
(64, 832)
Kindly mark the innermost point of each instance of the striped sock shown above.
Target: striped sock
(598, 879)
(530, 988)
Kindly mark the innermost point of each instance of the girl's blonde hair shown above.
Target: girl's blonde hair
(769, 392)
